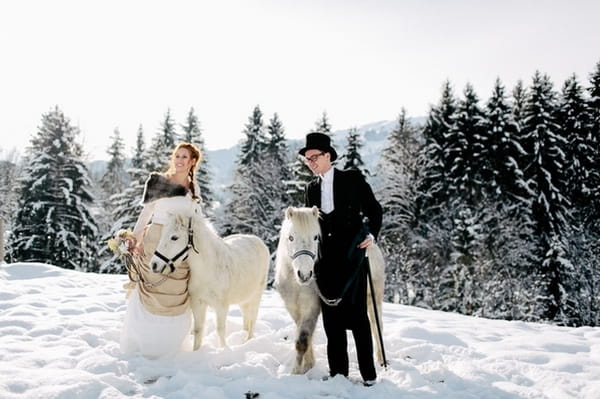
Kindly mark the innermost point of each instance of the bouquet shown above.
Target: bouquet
(123, 242)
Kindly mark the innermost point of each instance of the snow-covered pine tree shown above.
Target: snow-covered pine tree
(594, 109)
(588, 250)
(433, 217)
(464, 152)
(9, 175)
(545, 146)
(434, 181)
(575, 120)
(274, 181)
(468, 263)
(503, 149)
(114, 179)
(126, 205)
(54, 224)
(140, 149)
(396, 192)
(163, 143)
(246, 209)
(351, 157)
(272, 177)
(278, 156)
(508, 285)
(507, 217)
(323, 125)
(193, 134)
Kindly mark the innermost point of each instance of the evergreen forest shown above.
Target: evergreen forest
(491, 206)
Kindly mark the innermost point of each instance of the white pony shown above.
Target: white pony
(297, 252)
(223, 271)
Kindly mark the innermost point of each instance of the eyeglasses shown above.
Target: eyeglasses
(313, 158)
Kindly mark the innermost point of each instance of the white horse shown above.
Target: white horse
(223, 271)
(297, 252)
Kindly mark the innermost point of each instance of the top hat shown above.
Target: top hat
(318, 141)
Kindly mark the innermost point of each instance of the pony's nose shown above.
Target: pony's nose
(304, 278)
(154, 266)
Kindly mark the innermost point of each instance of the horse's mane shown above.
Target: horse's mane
(303, 220)
(182, 212)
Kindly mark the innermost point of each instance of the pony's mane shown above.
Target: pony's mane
(303, 222)
(182, 218)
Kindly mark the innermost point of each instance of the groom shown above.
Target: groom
(344, 198)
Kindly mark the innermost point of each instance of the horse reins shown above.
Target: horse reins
(190, 244)
(313, 256)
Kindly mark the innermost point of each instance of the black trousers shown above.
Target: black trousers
(333, 273)
(336, 321)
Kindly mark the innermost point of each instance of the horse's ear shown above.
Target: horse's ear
(315, 211)
(289, 212)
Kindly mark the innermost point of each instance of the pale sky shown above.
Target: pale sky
(118, 64)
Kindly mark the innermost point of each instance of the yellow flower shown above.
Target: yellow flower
(120, 244)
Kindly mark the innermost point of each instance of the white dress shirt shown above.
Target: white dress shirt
(327, 191)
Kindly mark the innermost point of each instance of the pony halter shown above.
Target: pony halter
(304, 252)
(190, 244)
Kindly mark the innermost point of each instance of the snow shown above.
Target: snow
(59, 338)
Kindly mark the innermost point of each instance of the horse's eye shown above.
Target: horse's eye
(291, 238)
(174, 238)
(316, 238)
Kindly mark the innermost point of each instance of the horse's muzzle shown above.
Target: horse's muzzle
(157, 266)
(304, 278)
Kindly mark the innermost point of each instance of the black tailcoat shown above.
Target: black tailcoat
(353, 200)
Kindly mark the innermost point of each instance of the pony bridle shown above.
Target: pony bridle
(312, 255)
(190, 244)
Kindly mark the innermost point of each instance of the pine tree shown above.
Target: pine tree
(322, 124)
(125, 206)
(54, 224)
(114, 179)
(255, 141)
(433, 214)
(352, 157)
(434, 180)
(193, 134)
(274, 181)
(588, 243)
(504, 179)
(508, 289)
(9, 174)
(594, 140)
(575, 121)
(467, 260)
(244, 211)
(397, 171)
(163, 144)
(506, 219)
(140, 148)
(464, 153)
(544, 172)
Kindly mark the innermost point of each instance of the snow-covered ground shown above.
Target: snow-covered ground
(59, 338)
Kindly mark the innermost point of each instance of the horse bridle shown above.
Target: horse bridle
(304, 252)
(329, 302)
(190, 244)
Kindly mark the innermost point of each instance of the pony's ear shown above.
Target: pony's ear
(315, 211)
(289, 212)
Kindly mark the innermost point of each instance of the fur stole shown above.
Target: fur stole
(158, 186)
